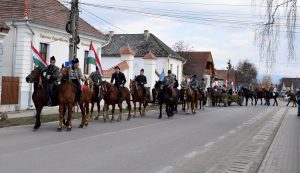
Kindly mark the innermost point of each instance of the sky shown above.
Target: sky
(226, 28)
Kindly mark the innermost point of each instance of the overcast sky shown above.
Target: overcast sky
(226, 28)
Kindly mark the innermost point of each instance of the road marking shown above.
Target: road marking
(166, 169)
(222, 137)
(239, 127)
(209, 144)
(232, 131)
(191, 155)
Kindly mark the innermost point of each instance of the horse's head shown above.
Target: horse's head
(105, 88)
(132, 85)
(159, 85)
(34, 75)
(64, 73)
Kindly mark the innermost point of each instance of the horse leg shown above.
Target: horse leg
(69, 121)
(61, 117)
(140, 108)
(129, 109)
(86, 123)
(92, 110)
(98, 107)
(105, 109)
(134, 108)
(120, 112)
(82, 114)
(38, 118)
(193, 107)
(160, 110)
(113, 113)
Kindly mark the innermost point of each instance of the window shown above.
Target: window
(44, 51)
(86, 65)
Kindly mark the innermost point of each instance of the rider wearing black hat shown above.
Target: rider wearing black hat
(141, 81)
(76, 76)
(52, 73)
(120, 81)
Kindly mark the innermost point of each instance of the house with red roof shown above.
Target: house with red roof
(42, 23)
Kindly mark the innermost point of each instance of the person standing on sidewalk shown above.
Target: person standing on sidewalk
(298, 101)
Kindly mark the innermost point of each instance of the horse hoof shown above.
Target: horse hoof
(59, 129)
(159, 117)
(69, 129)
(86, 124)
(128, 119)
(36, 127)
(80, 126)
(96, 118)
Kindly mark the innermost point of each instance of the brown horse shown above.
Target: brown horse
(110, 97)
(202, 97)
(66, 98)
(292, 98)
(190, 98)
(85, 100)
(138, 96)
(40, 95)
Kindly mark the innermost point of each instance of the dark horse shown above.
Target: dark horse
(270, 95)
(138, 96)
(96, 98)
(110, 96)
(164, 97)
(248, 94)
(202, 98)
(40, 94)
(292, 98)
(258, 95)
(66, 98)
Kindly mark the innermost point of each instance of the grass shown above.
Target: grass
(48, 118)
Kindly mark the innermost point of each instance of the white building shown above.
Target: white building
(141, 51)
(42, 23)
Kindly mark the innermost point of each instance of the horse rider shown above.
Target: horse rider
(271, 89)
(176, 84)
(298, 101)
(52, 74)
(194, 84)
(96, 79)
(169, 82)
(202, 85)
(120, 81)
(141, 81)
(224, 89)
(184, 83)
(76, 77)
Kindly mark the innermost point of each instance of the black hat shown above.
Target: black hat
(52, 58)
(117, 67)
(142, 70)
(97, 68)
(194, 76)
(75, 60)
(202, 78)
(169, 71)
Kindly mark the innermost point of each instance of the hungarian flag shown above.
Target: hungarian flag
(94, 59)
(37, 58)
(162, 75)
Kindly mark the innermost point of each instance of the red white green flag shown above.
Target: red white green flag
(37, 58)
(94, 59)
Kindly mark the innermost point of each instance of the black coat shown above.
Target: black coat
(141, 80)
(119, 79)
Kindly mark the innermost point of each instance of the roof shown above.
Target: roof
(3, 27)
(44, 12)
(222, 74)
(140, 46)
(196, 62)
(123, 66)
(127, 51)
(289, 81)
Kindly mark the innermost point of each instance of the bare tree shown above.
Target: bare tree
(181, 46)
(246, 74)
(267, 34)
(266, 81)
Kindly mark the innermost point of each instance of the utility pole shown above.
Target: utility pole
(73, 28)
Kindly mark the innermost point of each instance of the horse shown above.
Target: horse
(40, 94)
(182, 100)
(292, 98)
(164, 97)
(110, 97)
(96, 98)
(138, 96)
(66, 98)
(216, 97)
(85, 100)
(154, 96)
(189, 97)
(202, 98)
(248, 94)
(270, 95)
(258, 94)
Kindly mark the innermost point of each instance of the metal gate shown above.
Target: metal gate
(10, 90)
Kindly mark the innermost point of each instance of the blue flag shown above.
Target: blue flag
(162, 75)
(68, 63)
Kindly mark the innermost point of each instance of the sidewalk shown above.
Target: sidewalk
(284, 153)
(31, 112)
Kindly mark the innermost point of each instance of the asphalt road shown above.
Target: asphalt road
(141, 145)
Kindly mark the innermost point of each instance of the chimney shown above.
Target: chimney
(111, 34)
(146, 35)
(26, 9)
